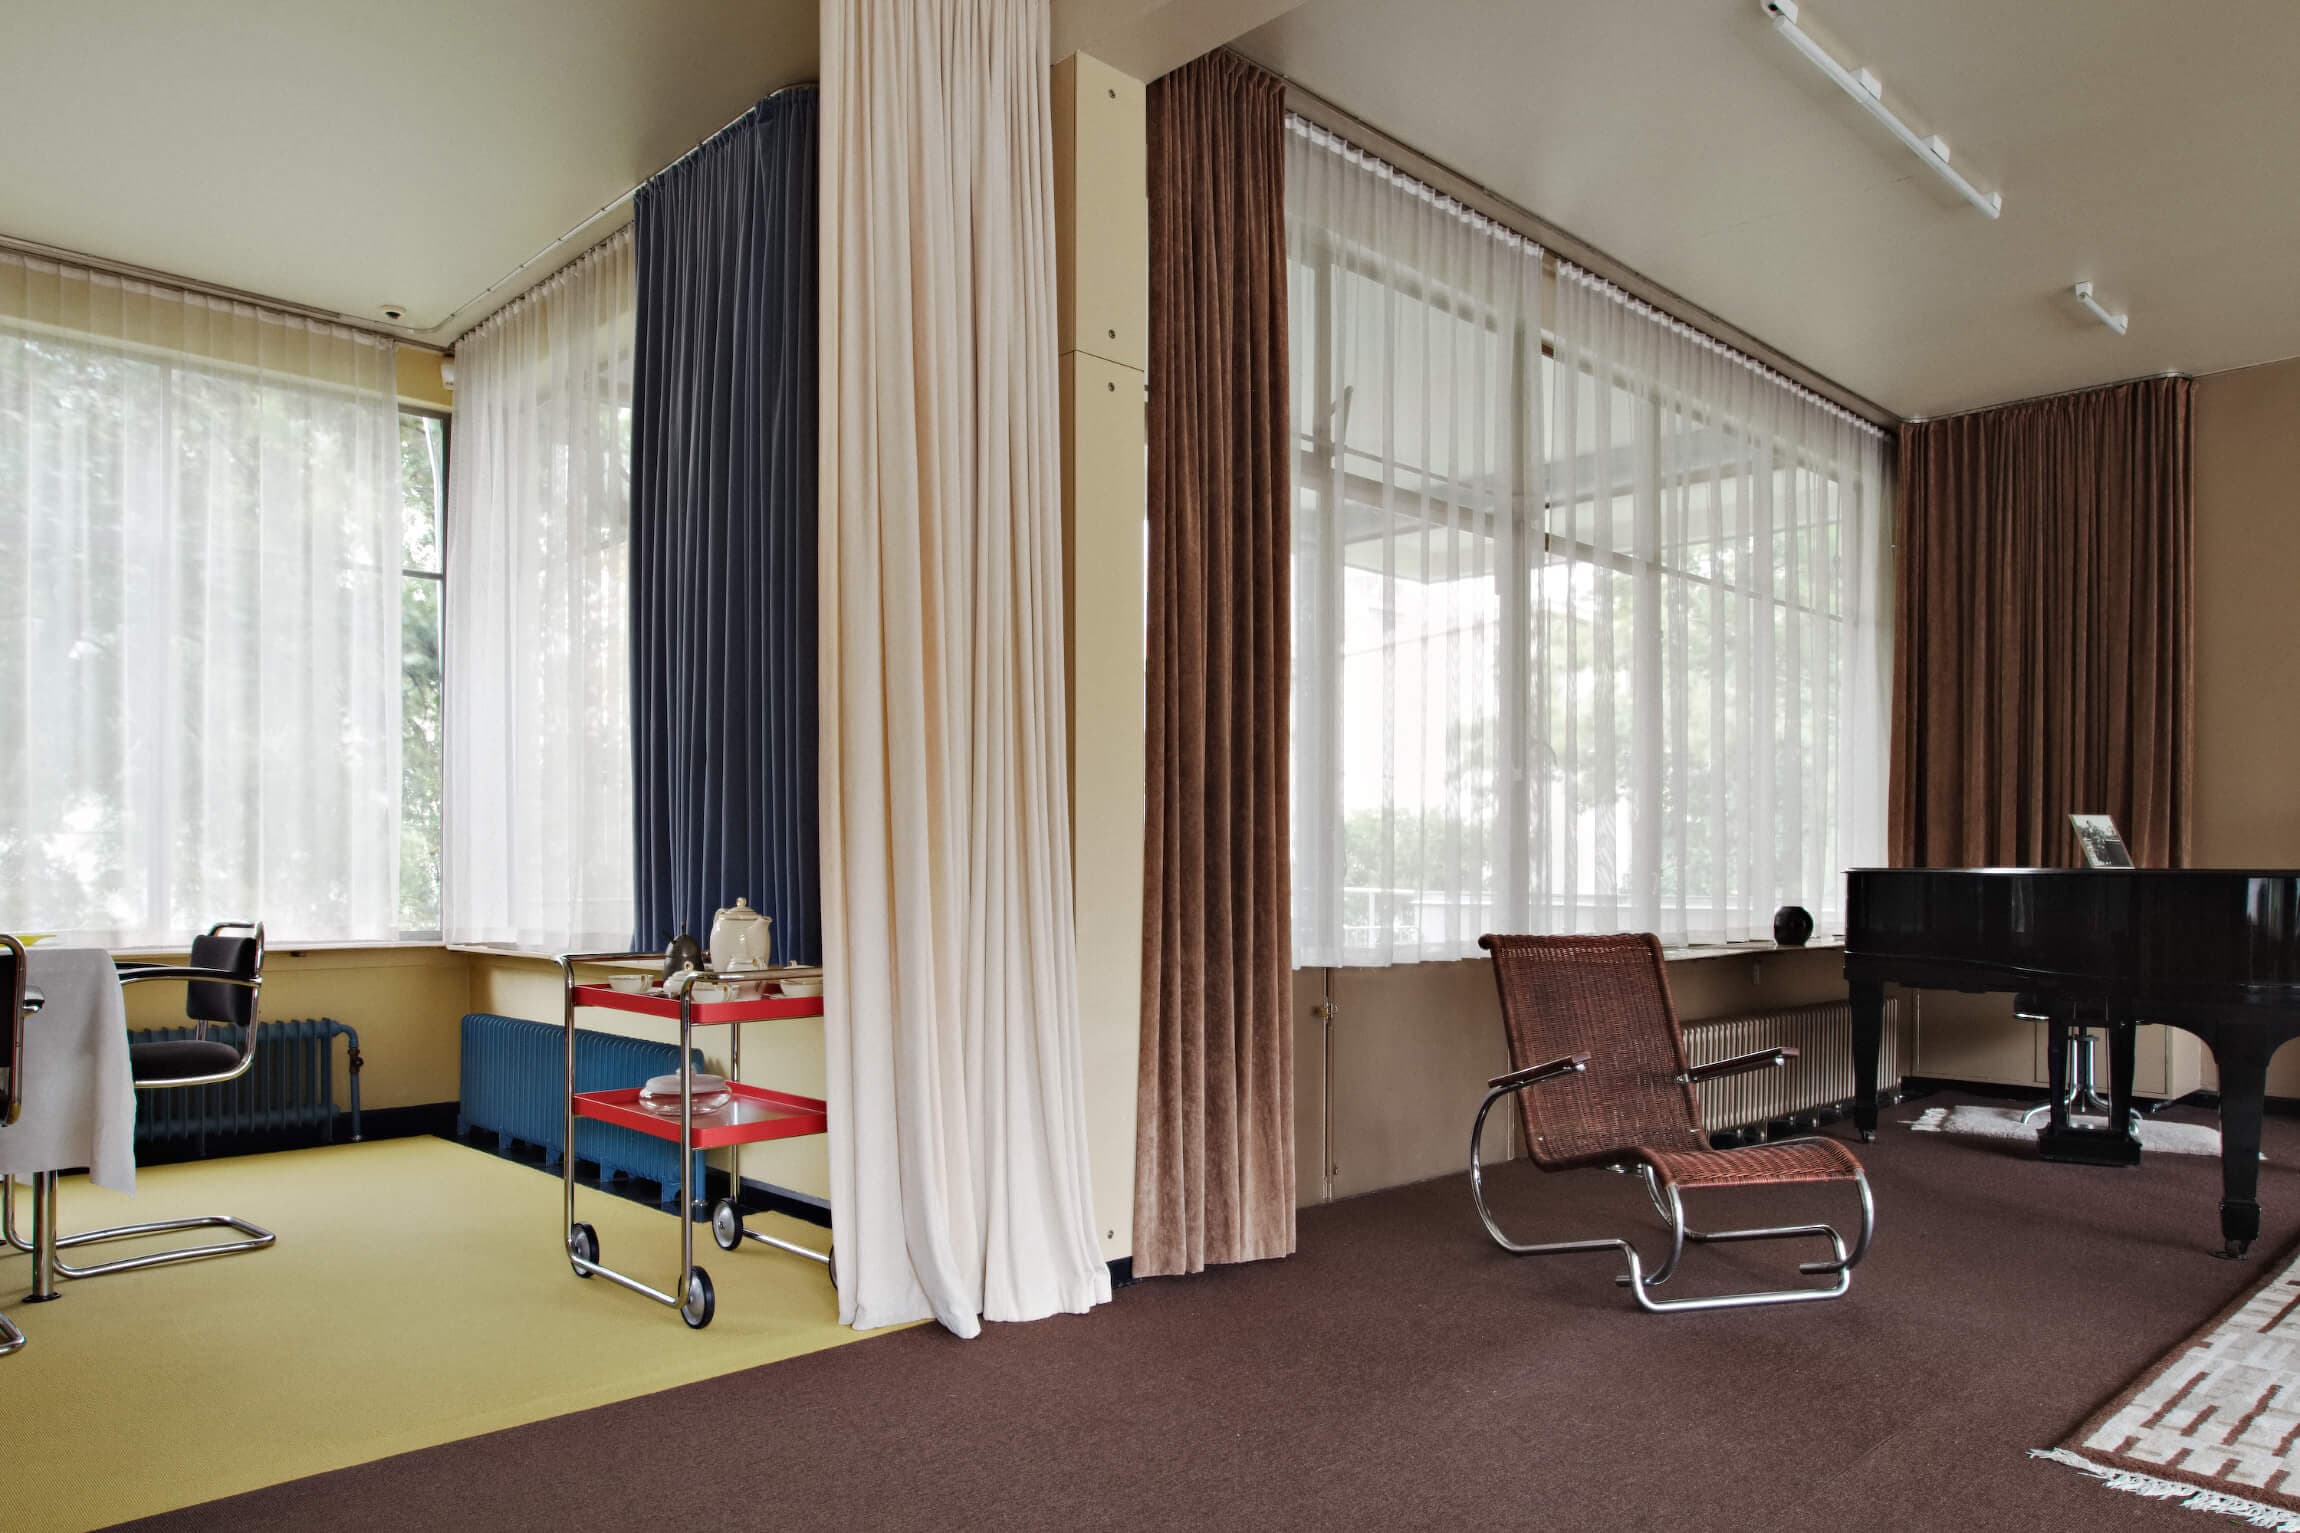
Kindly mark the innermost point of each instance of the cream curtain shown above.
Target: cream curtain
(957, 1140)
(537, 849)
(200, 553)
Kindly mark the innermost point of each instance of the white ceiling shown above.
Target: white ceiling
(2152, 147)
(348, 154)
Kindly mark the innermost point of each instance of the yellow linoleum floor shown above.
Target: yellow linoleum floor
(418, 1294)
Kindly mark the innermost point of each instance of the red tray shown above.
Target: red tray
(755, 1114)
(774, 1008)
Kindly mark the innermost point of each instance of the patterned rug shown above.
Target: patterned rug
(2006, 1123)
(2216, 1423)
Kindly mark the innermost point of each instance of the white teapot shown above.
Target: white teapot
(741, 938)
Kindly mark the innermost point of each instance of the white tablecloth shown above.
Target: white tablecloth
(79, 1093)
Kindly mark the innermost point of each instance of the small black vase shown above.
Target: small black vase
(1792, 925)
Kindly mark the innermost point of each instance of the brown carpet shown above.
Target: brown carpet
(1399, 1372)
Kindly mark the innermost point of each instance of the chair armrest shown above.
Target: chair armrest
(1740, 1064)
(137, 974)
(1534, 1075)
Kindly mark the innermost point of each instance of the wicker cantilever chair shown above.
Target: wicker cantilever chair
(1601, 1080)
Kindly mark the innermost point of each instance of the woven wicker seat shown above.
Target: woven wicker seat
(1601, 1079)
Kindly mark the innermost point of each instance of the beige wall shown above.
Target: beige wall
(2248, 628)
(420, 381)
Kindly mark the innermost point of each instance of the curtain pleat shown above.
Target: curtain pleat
(723, 535)
(957, 1106)
(537, 743)
(1214, 1135)
(2047, 647)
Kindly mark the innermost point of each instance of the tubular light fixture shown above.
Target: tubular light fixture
(1869, 93)
(2092, 306)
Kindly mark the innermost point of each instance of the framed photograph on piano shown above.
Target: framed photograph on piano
(2103, 846)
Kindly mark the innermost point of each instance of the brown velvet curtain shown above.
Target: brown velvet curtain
(2045, 653)
(1214, 1142)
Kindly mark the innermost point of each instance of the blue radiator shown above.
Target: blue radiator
(291, 1085)
(515, 1082)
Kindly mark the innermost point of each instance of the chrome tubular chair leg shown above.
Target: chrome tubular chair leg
(256, 1237)
(11, 1339)
(1669, 1203)
(1485, 1215)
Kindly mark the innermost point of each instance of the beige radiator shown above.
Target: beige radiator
(1821, 1076)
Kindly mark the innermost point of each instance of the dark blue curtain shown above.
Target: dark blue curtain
(723, 705)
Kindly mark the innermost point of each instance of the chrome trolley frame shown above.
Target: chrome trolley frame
(778, 1115)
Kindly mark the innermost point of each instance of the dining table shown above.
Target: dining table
(78, 1089)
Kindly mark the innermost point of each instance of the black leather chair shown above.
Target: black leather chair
(20, 1002)
(223, 984)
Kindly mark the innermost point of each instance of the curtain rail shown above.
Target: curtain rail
(1563, 245)
(193, 286)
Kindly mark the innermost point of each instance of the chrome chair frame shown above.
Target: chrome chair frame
(1669, 1203)
(24, 1003)
(46, 1241)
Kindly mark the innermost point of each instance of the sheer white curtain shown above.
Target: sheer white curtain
(537, 811)
(1708, 701)
(1589, 615)
(1416, 338)
(200, 552)
(958, 1136)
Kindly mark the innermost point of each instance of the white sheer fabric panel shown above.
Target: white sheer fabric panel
(1411, 324)
(1567, 658)
(958, 1159)
(1707, 705)
(537, 814)
(200, 637)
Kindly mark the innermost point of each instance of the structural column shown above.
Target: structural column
(1102, 233)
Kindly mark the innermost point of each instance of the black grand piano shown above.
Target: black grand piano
(2212, 950)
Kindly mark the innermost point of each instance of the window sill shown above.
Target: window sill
(1746, 949)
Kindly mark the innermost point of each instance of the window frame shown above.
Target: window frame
(1521, 516)
(435, 936)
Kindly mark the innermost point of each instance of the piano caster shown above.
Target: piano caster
(2235, 1251)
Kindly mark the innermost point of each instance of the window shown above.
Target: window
(201, 534)
(423, 582)
(1586, 608)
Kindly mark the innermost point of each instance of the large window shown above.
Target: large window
(200, 643)
(1586, 607)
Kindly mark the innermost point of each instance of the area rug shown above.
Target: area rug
(2215, 1424)
(2005, 1123)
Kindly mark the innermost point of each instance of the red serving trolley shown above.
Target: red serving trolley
(753, 1114)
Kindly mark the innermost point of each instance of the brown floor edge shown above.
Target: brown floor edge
(1400, 1372)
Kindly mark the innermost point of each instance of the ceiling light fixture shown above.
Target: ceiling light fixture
(2093, 306)
(1866, 90)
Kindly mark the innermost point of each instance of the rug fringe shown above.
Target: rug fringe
(2192, 1497)
(1930, 1120)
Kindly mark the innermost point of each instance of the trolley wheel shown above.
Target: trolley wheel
(726, 1224)
(583, 1244)
(701, 1302)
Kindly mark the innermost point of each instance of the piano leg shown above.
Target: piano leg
(2242, 1052)
(1868, 998)
(2120, 1063)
